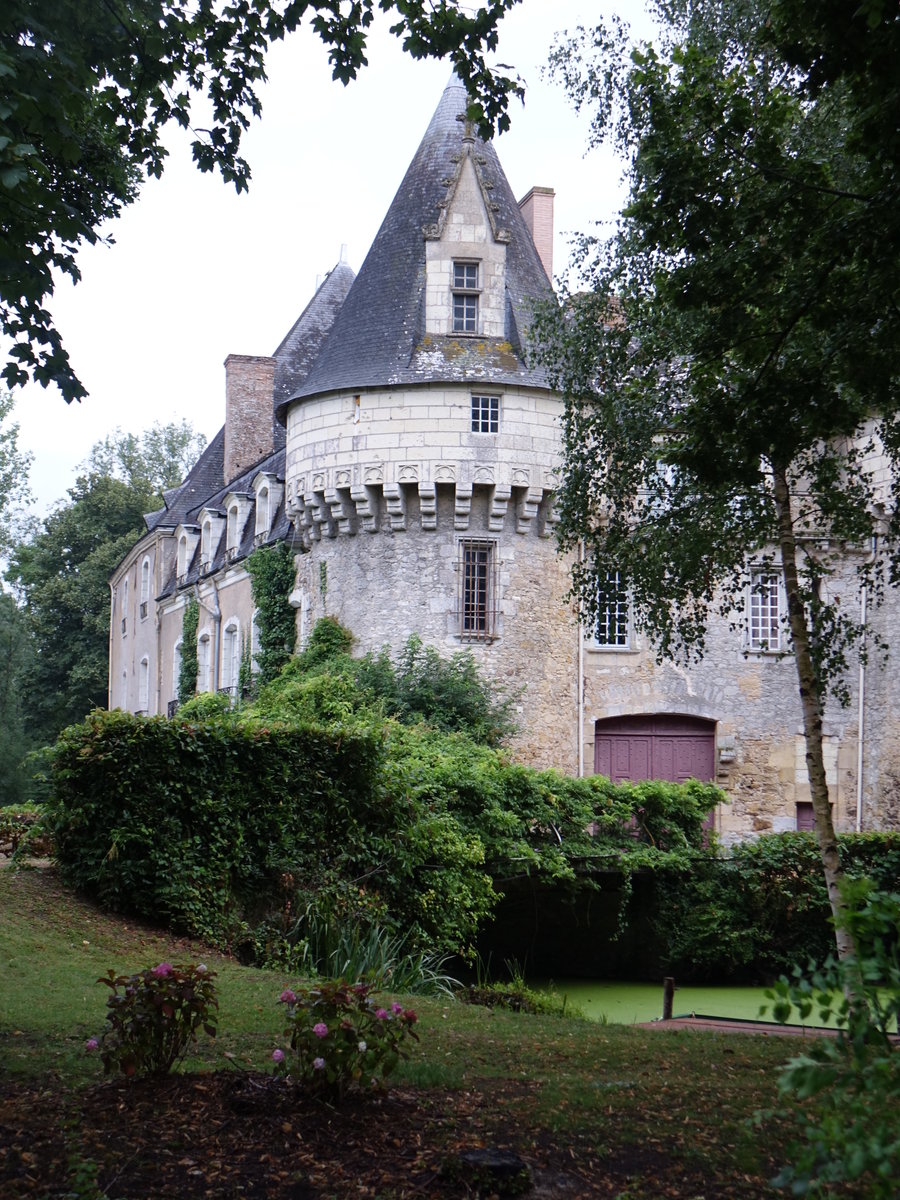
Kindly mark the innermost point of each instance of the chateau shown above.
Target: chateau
(401, 444)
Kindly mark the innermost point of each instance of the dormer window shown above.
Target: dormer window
(186, 539)
(262, 513)
(232, 536)
(182, 564)
(268, 490)
(466, 294)
(206, 546)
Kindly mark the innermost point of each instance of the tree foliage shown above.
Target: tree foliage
(731, 369)
(62, 574)
(15, 464)
(88, 90)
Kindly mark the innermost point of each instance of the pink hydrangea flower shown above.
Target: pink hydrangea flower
(382, 1014)
(287, 996)
(277, 1056)
(162, 970)
(396, 1008)
(318, 1064)
(91, 1044)
(321, 1029)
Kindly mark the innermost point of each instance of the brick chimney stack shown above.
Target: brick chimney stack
(249, 401)
(537, 210)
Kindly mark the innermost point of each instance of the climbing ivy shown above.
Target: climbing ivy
(271, 571)
(187, 674)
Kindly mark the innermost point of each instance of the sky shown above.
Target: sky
(197, 272)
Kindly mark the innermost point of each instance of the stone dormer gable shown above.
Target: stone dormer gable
(187, 538)
(268, 491)
(212, 523)
(465, 254)
(238, 506)
(454, 208)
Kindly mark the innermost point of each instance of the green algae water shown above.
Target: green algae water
(632, 1003)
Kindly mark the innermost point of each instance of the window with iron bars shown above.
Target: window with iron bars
(611, 629)
(485, 414)
(478, 591)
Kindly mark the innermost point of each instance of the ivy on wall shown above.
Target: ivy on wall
(187, 674)
(271, 571)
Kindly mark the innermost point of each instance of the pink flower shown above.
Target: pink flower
(162, 970)
(318, 1064)
(321, 1029)
(382, 1014)
(396, 1008)
(91, 1044)
(287, 996)
(277, 1056)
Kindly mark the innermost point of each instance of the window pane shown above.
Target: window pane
(765, 615)
(465, 313)
(477, 590)
(485, 414)
(465, 275)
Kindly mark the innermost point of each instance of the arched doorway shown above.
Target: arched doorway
(655, 746)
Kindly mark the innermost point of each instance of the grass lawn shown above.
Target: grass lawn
(591, 1109)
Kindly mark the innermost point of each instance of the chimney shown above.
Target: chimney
(537, 211)
(249, 404)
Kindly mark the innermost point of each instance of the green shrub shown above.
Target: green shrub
(154, 1015)
(272, 576)
(338, 1038)
(848, 1086)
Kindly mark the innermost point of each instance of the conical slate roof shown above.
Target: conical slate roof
(378, 338)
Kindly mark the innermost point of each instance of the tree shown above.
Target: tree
(731, 371)
(63, 573)
(89, 88)
(14, 653)
(14, 467)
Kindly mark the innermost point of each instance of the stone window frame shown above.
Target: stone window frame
(204, 660)
(485, 412)
(478, 599)
(144, 685)
(465, 299)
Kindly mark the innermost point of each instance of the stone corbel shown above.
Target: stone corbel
(428, 505)
(499, 504)
(366, 507)
(529, 503)
(338, 501)
(395, 501)
(463, 505)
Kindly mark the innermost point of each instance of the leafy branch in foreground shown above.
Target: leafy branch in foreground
(88, 90)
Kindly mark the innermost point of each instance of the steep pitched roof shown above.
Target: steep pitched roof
(297, 351)
(378, 338)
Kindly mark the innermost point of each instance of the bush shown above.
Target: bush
(848, 1086)
(338, 1038)
(154, 1015)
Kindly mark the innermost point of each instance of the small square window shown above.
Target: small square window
(465, 275)
(611, 629)
(485, 414)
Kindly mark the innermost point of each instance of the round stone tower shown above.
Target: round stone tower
(422, 450)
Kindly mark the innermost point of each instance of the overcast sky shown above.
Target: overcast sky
(197, 272)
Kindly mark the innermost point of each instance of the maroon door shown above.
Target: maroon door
(657, 746)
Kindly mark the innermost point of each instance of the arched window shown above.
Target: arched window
(206, 545)
(176, 668)
(232, 535)
(145, 588)
(182, 566)
(254, 642)
(262, 513)
(231, 657)
(144, 685)
(203, 662)
(124, 607)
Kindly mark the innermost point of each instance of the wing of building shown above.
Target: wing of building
(399, 441)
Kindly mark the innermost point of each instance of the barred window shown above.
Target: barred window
(765, 611)
(465, 297)
(485, 414)
(612, 612)
(477, 590)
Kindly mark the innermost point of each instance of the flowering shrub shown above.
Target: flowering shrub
(338, 1037)
(153, 1015)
